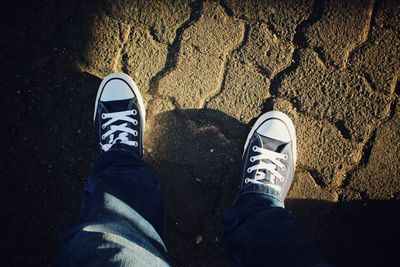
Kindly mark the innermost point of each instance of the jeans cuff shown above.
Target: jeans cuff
(269, 192)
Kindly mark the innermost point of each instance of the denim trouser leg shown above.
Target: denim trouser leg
(122, 216)
(122, 222)
(258, 231)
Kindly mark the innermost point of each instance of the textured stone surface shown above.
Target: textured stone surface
(322, 150)
(243, 92)
(163, 18)
(159, 105)
(338, 96)
(378, 178)
(347, 21)
(265, 50)
(200, 65)
(247, 79)
(305, 187)
(284, 16)
(388, 14)
(381, 68)
(218, 40)
(142, 57)
(102, 53)
(195, 78)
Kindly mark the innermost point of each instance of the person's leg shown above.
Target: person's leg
(122, 215)
(257, 230)
(128, 177)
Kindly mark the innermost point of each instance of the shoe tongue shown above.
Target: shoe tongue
(116, 106)
(273, 145)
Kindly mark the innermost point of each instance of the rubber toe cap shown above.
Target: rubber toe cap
(116, 89)
(275, 129)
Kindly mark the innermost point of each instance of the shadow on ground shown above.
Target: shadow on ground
(197, 155)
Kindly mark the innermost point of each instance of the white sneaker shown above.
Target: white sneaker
(119, 114)
(270, 153)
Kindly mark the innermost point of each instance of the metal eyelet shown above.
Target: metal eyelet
(285, 157)
(246, 181)
(248, 170)
(134, 112)
(135, 144)
(103, 137)
(135, 122)
(135, 133)
(254, 148)
(283, 168)
(103, 116)
(103, 126)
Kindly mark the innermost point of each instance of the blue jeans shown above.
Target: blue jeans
(123, 215)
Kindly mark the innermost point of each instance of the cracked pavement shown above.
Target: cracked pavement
(206, 70)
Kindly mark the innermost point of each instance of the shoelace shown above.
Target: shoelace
(274, 158)
(122, 128)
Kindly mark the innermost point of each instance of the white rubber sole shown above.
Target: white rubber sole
(134, 87)
(277, 115)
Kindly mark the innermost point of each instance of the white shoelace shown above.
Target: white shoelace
(272, 167)
(122, 128)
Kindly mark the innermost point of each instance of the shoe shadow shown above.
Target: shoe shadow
(197, 154)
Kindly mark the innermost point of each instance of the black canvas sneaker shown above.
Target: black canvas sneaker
(119, 114)
(269, 155)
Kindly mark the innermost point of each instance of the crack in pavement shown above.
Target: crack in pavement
(227, 57)
(364, 34)
(119, 62)
(173, 49)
